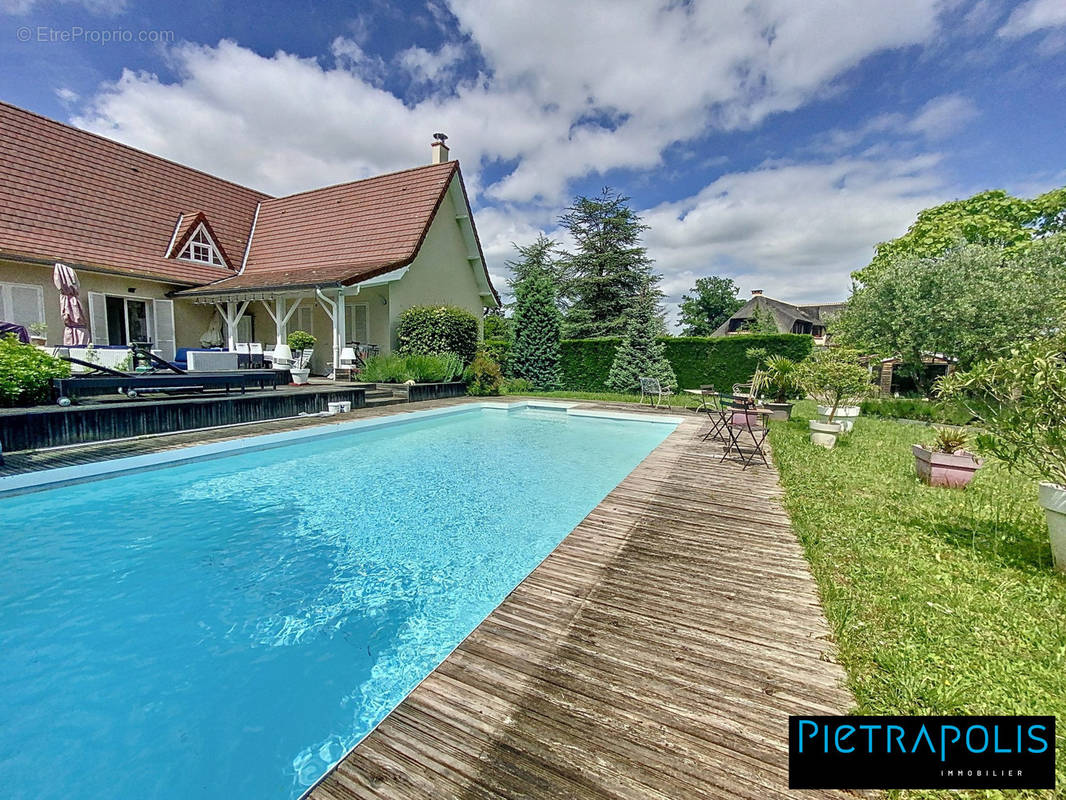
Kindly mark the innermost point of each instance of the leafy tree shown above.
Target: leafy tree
(989, 218)
(609, 269)
(971, 303)
(762, 320)
(641, 353)
(834, 377)
(712, 302)
(537, 332)
(1020, 400)
(496, 325)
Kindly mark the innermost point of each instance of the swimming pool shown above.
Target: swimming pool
(231, 627)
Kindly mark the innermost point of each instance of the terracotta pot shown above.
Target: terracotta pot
(951, 470)
(1053, 499)
(824, 434)
(782, 411)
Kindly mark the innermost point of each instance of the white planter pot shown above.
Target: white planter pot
(299, 376)
(845, 416)
(824, 434)
(1053, 499)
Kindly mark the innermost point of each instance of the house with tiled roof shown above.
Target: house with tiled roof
(171, 255)
(789, 318)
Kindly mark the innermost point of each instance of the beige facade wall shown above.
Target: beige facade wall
(440, 273)
(190, 320)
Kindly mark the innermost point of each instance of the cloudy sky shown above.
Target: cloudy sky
(772, 141)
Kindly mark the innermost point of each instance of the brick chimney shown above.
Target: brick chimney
(755, 292)
(439, 148)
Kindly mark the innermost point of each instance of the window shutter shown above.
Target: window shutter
(163, 312)
(98, 318)
(27, 305)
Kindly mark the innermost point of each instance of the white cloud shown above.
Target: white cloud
(430, 67)
(607, 90)
(1033, 16)
(937, 119)
(66, 96)
(943, 116)
(795, 230)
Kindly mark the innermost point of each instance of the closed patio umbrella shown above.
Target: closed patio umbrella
(70, 307)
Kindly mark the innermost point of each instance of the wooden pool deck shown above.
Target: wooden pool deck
(656, 653)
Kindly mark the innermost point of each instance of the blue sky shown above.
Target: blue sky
(771, 141)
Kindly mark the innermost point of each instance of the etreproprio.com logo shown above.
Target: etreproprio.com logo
(921, 752)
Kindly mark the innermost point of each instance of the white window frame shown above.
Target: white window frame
(7, 301)
(212, 255)
(349, 322)
(149, 314)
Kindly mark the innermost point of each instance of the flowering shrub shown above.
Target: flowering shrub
(26, 373)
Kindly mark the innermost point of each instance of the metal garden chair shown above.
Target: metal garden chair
(657, 394)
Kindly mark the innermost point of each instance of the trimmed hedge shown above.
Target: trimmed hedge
(430, 330)
(720, 361)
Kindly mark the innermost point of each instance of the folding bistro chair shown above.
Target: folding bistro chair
(712, 405)
(745, 437)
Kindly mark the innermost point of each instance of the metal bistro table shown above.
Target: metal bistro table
(702, 395)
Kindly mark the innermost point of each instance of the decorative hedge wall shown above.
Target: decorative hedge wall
(720, 361)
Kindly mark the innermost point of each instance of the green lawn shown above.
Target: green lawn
(942, 601)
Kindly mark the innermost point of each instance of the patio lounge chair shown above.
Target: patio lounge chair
(657, 394)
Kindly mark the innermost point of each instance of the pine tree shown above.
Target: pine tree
(641, 354)
(541, 256)
(609, 268)
(537, 331)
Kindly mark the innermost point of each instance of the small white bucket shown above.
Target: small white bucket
(336, 408)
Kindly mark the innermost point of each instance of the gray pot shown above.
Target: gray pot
(782, 412)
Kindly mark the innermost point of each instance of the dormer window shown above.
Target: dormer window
(202, 249)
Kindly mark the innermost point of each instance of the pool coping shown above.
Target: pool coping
(56, 477)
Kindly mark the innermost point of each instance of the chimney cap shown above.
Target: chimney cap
(756, 291)
(440, 137)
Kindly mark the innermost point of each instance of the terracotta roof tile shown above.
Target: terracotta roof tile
(73, 196)
(341, 234)
(69, 195)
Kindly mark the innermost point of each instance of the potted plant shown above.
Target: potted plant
(779, 381)
(38, 334)
(1020, 402)
(946, 463)
(834, 378)
(299, 342)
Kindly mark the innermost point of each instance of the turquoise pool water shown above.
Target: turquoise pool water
(229, 628)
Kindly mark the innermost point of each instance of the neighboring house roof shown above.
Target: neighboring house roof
(69, 195)
(822, 313)
(785, 314)
(341, 234)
